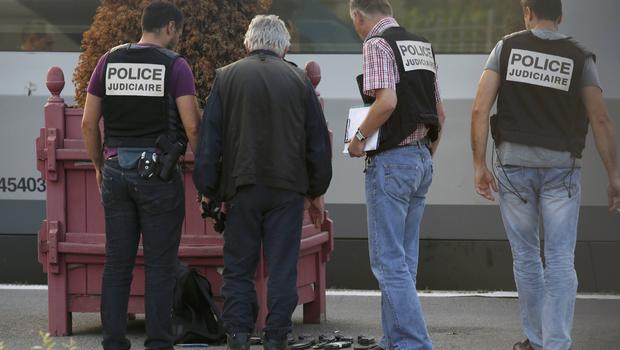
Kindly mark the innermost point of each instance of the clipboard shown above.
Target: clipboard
(355, 119)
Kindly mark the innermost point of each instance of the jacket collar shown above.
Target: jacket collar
(263, 52)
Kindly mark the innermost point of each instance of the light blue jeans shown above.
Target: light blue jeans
(547, 287)
(396, 184)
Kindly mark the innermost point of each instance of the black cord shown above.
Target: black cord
(514, 189)
(570, 176)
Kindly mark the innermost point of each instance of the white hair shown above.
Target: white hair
(267, 32)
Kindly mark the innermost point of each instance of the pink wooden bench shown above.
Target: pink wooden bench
(71, 241)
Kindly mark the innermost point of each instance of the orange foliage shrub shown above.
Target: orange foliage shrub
(212, 36)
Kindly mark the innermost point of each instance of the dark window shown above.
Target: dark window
(317, 26)
(453, 26)
(44, 25)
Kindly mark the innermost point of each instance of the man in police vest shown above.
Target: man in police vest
(545, 84)
(146, 94)
(400, 80)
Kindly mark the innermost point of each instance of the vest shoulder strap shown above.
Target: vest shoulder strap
(378, 36)
(169, 53)
(383, 35)
(516, 34)
(122, 46)
(166, 52)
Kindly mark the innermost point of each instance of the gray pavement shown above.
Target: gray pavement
(454, 323)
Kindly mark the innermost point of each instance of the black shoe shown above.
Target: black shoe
(524, 345)
(238, 341)
(272, 344)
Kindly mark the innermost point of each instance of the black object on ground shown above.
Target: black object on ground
(337, 345)
(365, 341)
(303, 345)
(327, 338)
(195, 316)
(320, 345)
(344, 338)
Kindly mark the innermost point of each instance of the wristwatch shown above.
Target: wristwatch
(360, 136)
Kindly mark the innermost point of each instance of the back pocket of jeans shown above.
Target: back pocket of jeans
(511, 178)
(400, 180)
(157, 196)
(108, 185)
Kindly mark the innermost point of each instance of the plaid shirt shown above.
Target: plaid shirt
(381, 71)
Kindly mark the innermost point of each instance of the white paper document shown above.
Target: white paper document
(356, 117)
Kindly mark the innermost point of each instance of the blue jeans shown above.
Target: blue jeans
(396, 185)
(260, 214)
(547, 290)
(154, 208)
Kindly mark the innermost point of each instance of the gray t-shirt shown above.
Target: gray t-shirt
(537, 157)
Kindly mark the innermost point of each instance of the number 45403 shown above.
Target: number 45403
(22, 184)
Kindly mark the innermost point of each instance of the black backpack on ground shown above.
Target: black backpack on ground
(195, 317)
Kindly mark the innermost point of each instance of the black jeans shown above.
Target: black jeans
(274, 217)
(154, 208)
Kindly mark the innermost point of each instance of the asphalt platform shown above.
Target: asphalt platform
(460, 322)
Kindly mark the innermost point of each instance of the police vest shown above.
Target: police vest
(137, 106)
(417, 100)
(539, 101)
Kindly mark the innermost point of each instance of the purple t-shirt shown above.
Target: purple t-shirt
(181, 79)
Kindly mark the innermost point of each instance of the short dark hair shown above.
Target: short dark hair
(158, 14)
(544, 9)
(372, 7)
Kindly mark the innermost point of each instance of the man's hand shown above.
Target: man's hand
(485, 183)
(613, 192)
(204, 200)
(356, 148)
(92, 134)
(603, 129)
(379, 113)
(190, 118)
(485, 97)
(316, 209)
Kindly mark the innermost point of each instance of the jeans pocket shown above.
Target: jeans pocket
(108, 183)
(562, 183)
(157, 196)
(400, 180)
(510, 178)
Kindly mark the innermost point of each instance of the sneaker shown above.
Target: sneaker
(524, 345)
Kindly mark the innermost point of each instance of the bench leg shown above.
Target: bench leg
(316, 308)
(59, 317)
